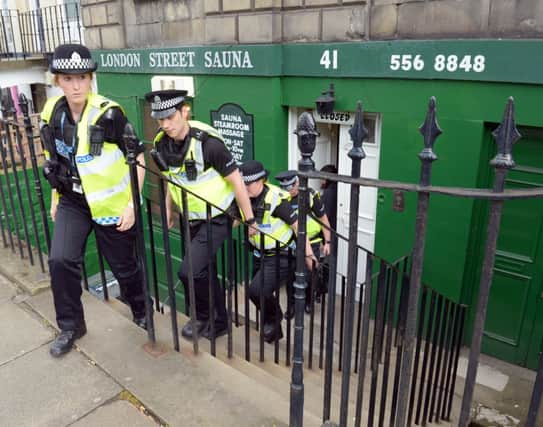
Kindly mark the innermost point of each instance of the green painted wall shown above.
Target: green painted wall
(464, 109)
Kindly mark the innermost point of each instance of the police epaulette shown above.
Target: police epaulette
(199, 134)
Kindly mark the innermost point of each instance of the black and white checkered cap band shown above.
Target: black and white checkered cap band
(286, 183)
(73, 64)
(254, 177)
(169, 103)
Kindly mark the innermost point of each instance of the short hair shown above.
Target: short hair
(329, 168)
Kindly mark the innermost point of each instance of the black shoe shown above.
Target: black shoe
(308, 309)
(65, 340)
(188, 329)
(219, 332)
(141, 321)
(289, 314)
(272, 332)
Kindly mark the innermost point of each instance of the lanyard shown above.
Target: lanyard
(73, 148)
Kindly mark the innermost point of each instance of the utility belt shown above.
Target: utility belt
(283, 250)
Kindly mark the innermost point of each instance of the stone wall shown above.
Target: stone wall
(113, 24)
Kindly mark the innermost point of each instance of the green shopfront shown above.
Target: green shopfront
(254, 93)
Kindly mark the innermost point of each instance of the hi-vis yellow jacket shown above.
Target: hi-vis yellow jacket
(105, 179)
(275, 228)
(209, 185)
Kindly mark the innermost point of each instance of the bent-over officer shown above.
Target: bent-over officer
(317, 235)
(192, 154)
(82, 133)
(276, 218)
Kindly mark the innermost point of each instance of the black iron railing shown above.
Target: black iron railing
(38, 32)
(435, 382)
(389, 355)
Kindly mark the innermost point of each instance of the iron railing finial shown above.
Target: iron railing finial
(430, 130)
(307, 133)
(505, 135)
(358, 134)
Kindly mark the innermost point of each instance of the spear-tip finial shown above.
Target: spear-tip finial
(505, 135)
(358, 134)
(430, 131)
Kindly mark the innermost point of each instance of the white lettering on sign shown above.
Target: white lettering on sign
(130, 60)
(441, 63)
(172, 59)
(232, 128)
(228, 59)
(326, 62)
(337, 117)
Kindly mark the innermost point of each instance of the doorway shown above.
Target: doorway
(514, 323)
(333, 147)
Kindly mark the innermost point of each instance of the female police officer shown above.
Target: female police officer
(193, 155)
(82, 134)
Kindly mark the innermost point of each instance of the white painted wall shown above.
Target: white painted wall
(23, 76)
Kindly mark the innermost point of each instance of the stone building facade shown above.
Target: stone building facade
(114, 24)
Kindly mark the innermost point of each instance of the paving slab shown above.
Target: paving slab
(38, 390)
(183, 389)
(19, 271)
(7, 291)
(20, 332)
(114, 414)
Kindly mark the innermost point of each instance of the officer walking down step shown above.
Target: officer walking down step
(86, 167)
(193, 155)
(318, 236)
(276, 218)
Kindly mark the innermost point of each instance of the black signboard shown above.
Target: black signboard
(236, 127)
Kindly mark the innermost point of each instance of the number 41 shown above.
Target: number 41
(325, 59)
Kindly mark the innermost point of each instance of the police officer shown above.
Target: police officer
(193, 155)
(82, 135)
(279, 221)
(317, 235)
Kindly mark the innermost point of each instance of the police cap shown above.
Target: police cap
(287, 179)
(252, 170)
(165, 102)
(72, 59)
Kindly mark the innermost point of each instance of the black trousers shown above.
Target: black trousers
(73, 225)
(309, 291)
(270, 272)
(201, 261)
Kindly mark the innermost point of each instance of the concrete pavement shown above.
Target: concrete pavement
(113, 378)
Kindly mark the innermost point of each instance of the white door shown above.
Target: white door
(365, 233)
(325, 153)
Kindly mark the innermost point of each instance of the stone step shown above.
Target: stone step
(276, 376)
